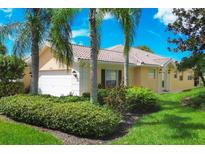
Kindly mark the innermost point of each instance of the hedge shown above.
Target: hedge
(62, 99)
(141, 100)
(11, 88)
(82, 119)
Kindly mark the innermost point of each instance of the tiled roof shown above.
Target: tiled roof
(115, 54)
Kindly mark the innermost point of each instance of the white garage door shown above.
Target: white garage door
(57, 83)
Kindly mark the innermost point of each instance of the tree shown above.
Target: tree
(11, 67)
(145, 48)
(190, 24)
(3, 49)
(93, 55)
(195, 62)
(39, 25)
(129, 19)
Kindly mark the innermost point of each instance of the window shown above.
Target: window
(190, 76)
(111, 77)
(151, 74)
(181, 76)
(175, 75)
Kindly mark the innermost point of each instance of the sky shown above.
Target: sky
(151, 31)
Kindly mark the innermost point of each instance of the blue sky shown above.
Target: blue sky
(151, 30)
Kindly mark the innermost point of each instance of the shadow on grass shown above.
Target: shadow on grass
(183, 129)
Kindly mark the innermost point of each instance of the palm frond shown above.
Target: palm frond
(128, 19)
(22, 43)
(60, 35)
(7, 30)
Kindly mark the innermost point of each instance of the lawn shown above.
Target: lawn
(173, 124)
(12, 133)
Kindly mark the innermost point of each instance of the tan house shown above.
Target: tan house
(145, 70)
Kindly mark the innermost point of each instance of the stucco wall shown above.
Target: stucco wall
(110, 67)
(48, 62)
(177, 85)
(142, 79)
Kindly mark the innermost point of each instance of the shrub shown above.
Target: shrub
(86, 94)
(197, 102)
(11, 68)
(11, 88)
(61, 99)
(116, 99)
(141, 100)
(82, 119)
(102, 94)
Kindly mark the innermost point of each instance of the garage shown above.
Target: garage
(58, 83)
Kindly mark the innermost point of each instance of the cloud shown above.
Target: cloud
(76, 42)
(80, 32)
(108, 16)
(154, 33)
(165, 16)
(8, 12)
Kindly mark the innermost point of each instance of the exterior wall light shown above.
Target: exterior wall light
(75, 74)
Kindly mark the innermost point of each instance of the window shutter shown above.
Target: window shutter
(103, 78)
(119, 77)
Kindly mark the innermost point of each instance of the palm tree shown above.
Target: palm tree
(93, 55)
(41, 24)
(30, 35)
(129, 19)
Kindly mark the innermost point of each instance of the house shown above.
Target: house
(145, 69)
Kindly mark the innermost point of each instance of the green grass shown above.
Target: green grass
(173, 124)
(20, 134)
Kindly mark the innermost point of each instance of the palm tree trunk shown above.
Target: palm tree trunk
(126, 70)
(94, 52)
(35, 56)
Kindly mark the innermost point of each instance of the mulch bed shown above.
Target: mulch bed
(69, 139)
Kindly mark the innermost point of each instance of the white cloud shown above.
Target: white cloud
(73, 41)
(76, 42)
(165, 16)
(8, 12)
(80, 32)
(108, 16)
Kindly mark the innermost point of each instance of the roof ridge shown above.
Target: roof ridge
(99, 49)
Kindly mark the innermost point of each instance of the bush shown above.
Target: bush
(11, 88)
(116, 99)
(86, 94)
(197, 102)
(102, 94)
(141, 100)
(64, 99)
(82, 119)
(11, 68)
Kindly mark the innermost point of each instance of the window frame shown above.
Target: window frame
(151, 76)
(110, 77)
